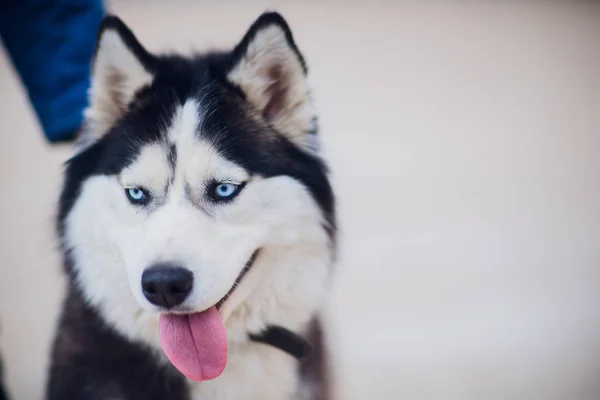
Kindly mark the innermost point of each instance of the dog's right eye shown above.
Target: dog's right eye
(137, 195)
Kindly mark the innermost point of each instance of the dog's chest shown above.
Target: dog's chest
(255, 373)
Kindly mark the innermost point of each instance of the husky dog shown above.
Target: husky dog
(197, 226)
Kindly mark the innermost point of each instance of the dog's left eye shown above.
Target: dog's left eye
(224, 191)
(137, 195)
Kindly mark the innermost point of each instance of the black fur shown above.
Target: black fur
(3, 395)
(92, 361)
(172, 157)
(283, 339)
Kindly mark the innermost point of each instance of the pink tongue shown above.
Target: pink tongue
(196, 343)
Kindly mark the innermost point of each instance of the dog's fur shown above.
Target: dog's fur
(174, 125)
(2, 391)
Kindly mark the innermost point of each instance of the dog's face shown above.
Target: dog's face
(198, 176)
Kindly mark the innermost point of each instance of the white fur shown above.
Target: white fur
(253, 372)
(113, 241)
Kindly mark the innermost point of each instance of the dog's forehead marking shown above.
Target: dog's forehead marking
(172, 158)
(192, 158)
(185, 123)
(185, 161)
(182, 130)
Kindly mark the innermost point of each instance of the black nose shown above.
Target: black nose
(166, 285)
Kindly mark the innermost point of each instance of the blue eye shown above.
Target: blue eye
(136, 195)
(225, 191)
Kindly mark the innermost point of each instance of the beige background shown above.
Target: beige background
(464, 141)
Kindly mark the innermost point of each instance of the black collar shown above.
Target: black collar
(283, 339)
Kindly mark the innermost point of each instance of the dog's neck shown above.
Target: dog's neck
(255, 370)
(261, 369)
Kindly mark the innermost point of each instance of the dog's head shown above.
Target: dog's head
(197, 176)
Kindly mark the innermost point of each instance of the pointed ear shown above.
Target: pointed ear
(271, 72)
(121, 67)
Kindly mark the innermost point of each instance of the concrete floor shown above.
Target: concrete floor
(464, 142)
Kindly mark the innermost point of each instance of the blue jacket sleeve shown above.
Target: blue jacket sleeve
(51, 43)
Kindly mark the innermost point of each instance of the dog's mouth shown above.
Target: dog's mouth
(196, 343)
